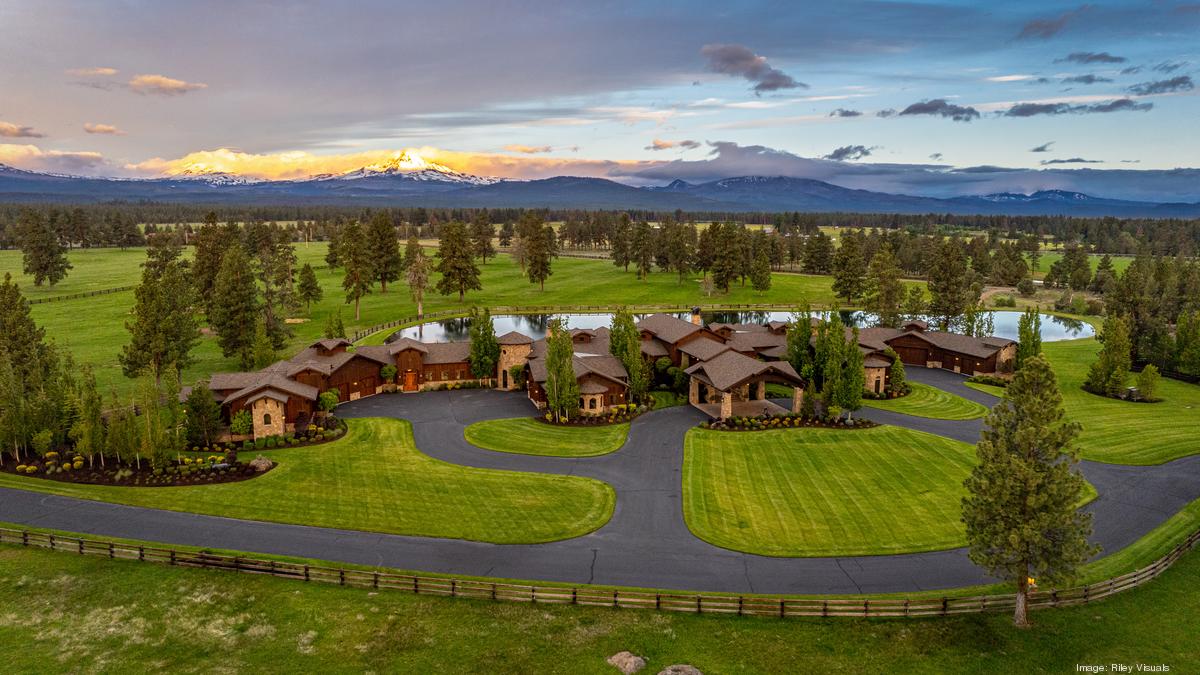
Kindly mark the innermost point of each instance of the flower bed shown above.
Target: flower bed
(110, 471)
(890, 394)
(990, 380)
(618, 414)
(784, 421)
(318, 431)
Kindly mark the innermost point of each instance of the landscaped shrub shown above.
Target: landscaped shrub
(988, 379)
(241, 423)
(1027, 288)
(387, 372)
(1004, 301)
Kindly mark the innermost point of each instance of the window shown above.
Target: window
(592, 404)
(267, 420)
(445, 375)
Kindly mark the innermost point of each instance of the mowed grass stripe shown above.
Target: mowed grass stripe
(927, 401)
(527, 436)
(820, 492)
(375, 479)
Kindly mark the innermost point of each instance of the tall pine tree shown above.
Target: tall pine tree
(384, 248)
(456, 263)
(234, 314)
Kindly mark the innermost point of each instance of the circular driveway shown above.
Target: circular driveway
(646, 543)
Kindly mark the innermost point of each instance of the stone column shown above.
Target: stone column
(726, 405)
(797, 398)
(693, 391)
(761, 393)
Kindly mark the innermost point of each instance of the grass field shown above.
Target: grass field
(375, 479)
(986, 388)
(927, 401)
(94, 328)
(67, 613)
(528, 436)
(1050, 257)
(822, 492)
(1119, 431)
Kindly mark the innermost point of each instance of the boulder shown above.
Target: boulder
(261, 464)
(626, 662)
(680, 669)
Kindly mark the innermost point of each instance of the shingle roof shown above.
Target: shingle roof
(514, 338)
(592, 388)
(730, 369)
(703, 349)
(446, 352)
(963, 344)
(331, 344)
(654, 348)
(606, 366)
(667, 328)
(407, 343)
(277, 382)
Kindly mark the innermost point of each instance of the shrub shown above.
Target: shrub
(1027, 288)
(1147, 382)
(988, 379)
(1004, 301)
(1095, 308)
(241, 423)
(387, 372)
(260, 443)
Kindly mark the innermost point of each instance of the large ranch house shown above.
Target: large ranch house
(729, 366)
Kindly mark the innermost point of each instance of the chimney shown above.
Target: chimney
(696, 316)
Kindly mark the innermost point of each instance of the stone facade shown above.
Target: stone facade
(876, 379)
(268, 415)
(510, 355)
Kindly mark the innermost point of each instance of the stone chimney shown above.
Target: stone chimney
(696, 316)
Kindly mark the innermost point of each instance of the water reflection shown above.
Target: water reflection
(1054, 328)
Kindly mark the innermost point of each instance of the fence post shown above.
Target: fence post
(80, 546)
(141, 553)
(341, 577)
(51, 542)
(782, 608)
(24, 537)
(453, 588)
(375, 580)
(173, 558)
(306, 573)
(110, 549)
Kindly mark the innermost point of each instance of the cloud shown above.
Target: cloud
(843, 112)
(1169, 66)
(1072, 160)
(739, 61)
(301, 164)
(660, 144)
(162, 85)
(941, 108)
(528, 149)
(1131, 70)
(1045, 29)
(937, 156)
(1044, 147)
(886, 112)
(1180, 83)
(10, 130)
(1010, 78)
(33, 158)
(1035, 109)
(92, 72)
(1091, 57)
(1085, 79)
(103, 129)
(848, 153)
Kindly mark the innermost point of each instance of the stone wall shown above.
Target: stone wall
(268, 417)
(510, 355)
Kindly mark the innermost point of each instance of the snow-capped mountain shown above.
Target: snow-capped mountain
(1040, 195)
(411, 166)
(210, 177)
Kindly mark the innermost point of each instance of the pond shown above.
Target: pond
(1054, 328)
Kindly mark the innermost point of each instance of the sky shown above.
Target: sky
(935, 98)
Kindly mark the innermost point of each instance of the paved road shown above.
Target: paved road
(646, 543)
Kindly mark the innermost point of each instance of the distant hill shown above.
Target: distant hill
(417, 183)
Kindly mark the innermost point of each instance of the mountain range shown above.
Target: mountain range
(401, 182)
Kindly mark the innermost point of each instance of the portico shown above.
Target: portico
(732, 384)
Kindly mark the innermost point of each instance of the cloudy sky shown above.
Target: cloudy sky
(932, 97)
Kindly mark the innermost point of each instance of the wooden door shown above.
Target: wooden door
(410, 380)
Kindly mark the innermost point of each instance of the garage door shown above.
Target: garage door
(913, 356)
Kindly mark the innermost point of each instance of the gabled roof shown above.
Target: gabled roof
(606, 366)
(330, 344)
(514, 338)
(703, 350)
(654, 348)
(668, 328)
(446, 352)
(278, 383)
(407, 343)
(981, 348)
(730, 369)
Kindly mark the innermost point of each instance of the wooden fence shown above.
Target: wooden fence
(84, 294)
(429, 317)
(741, 605)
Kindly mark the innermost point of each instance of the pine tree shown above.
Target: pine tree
(87, 432)
(539, 253)
(884, 290)
(950, 289)
(263, 350)
(384, 250)
(1021, 509)
(681, 250)
(211, 243)
(897, 377)
(914, 303)
(334, 328)
(235, 309)
(562, 389)
(309, 290)
(21, 338)
(705, 249)
(1187, 343)
(412, 248)
(333, 253)
(1105, 276)
(760, 273)
(852, 379)
(818, 254)
(506, 234)
(455, 262)
(726, 261)
(849, 269)
(622, 252)
(203, 416)
(355, 257)
(799, 343)
(1029, 336)
(416, 275)
(485, 349)
(1107, 376)
(641, 244)
(163, 329)
(625, 343)
(482, 232)
(45, 258)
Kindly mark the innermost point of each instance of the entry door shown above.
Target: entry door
(410, 380)
(504, 379)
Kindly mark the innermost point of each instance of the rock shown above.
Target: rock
(261, 464)
(627, 662)
(680, 669)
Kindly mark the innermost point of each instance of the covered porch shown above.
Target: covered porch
(732, 384)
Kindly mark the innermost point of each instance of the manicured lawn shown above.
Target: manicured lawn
(83, 614)
(375, 479)
(667, 399)
(986, 388)
(1119, 431)
(528, 436)
(99, 340)
(927, 401)
(822, 492)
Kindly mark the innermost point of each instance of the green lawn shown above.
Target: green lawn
(84, 614)
(97, 339)
(822, 492)
(375, 479)
(986, 388)
(667, 399)
(1121, 432)
(927, 401)
(1050, 257)
(527, 436)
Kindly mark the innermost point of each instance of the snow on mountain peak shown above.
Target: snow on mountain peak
(411, 165)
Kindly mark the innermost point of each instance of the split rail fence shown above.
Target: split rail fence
(742, 605)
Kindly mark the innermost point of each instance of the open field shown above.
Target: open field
(986, 388)
(375, 479)
(528, 436)
(94, 328)
(927, 401)
(1122, 432)
(84, 614)
(824, 492)
(1050, 257)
